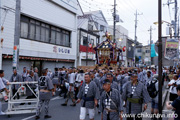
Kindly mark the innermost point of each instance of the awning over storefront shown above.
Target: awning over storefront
(37, 58)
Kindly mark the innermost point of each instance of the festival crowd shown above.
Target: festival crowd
(110, 92)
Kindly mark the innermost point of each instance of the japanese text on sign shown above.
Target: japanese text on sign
(61, 50)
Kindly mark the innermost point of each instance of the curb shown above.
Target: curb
(164, 97)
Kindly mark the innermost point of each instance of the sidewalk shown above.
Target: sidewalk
(165, 109)
(148, 111)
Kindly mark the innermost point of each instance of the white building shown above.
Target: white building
(146, 55)
(121, 40)
(100, 23)
(139, 54)
(92, 27)
(48, 33)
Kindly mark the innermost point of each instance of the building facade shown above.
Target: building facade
(91, 32)
(139, 54)
(146, 55)
(130, 53)
(100, 23)
(48, 36)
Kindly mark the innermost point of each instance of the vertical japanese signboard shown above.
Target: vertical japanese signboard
(15, 57)
(171, 49)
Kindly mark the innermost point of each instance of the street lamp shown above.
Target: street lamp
(168, 24)
(120, 39)
(156, 23)
(133, 44)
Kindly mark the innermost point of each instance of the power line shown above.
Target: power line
(169, 12)
(91, 6)
(128, 18)
(142, 29)
(121, 14)
(132, 10)
(6, 10)
(98, 3)
(102, 4)
(133, 7)
(139, 11)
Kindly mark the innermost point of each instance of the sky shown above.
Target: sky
(126, 9)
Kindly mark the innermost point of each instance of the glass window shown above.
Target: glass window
(90, 27)
(58, 38)
(43, 25)
(53, 37)
(32, 21)
(96, 24)
(139, 50)
(63, 39)
(53, 28)
(25, 19)
(147, 51)
(38, 32)
(85, 42)
(24, 29)
(101, 28)
(58, 30)
(32, 31)
(63, 32)
(47, 26)
(43, 34)
(37, 23)
(92, 42)
(67, 42)
(105, 29)
(47, 35)
(67, 32)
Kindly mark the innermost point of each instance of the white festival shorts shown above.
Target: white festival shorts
(83, 113)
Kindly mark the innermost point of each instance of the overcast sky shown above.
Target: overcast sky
(126, 10)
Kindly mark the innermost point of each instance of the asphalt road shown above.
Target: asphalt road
(57, 112)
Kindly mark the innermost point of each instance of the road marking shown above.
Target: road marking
(29, 117)
(57, 98)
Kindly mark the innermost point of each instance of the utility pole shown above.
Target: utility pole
(175, 16)
(150, 43)
(175, 19)
(135, 37)
(0, 41)
(178, 40)
(160, 56)
(175, 26)
(16, 36)
(178, 28)
(114, 15)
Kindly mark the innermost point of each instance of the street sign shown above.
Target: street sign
(15, 57)
(171, 49)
